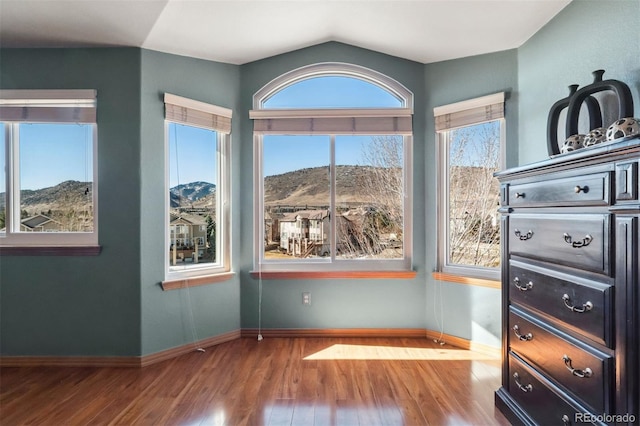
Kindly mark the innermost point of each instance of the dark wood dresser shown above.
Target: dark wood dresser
(570, 231)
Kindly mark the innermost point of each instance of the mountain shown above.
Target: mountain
(65, 195)
(193, 194)
(193, 191)
(77, 195)
(310, 186)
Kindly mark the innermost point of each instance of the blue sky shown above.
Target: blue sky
(282, 154)
(332, 92)
(51, 154)
(472, 141)
(192, 155)
(287, 153)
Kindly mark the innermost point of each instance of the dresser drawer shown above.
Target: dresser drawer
(538, 397)
(583, 190)
(585, 306)
(578, 240)
(584, 371)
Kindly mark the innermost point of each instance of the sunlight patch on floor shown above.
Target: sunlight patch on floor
(365, 352)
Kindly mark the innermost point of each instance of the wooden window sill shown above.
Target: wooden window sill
(290, 275)
(196, 281)
(50, 250)
(481, 282)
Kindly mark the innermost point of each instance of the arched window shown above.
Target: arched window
(333, 170)
(332, 91)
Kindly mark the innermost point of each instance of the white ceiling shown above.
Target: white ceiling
(242, 31)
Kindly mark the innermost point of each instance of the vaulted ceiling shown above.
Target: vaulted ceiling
(243, 31)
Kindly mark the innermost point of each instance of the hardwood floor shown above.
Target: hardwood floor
(277, 381)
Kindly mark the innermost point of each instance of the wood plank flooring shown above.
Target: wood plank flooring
(277, 381)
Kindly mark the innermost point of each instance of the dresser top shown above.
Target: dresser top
(605, 152)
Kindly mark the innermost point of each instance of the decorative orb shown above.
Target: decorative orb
(572, 143)
(623, 127)
(595, 137)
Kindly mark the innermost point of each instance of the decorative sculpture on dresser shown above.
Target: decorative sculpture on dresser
(624, 126)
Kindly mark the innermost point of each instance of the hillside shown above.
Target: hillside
(311, 186)
(301, 187)
(67, 195)
(193, 194)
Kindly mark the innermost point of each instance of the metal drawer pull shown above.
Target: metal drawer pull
(586, 373)
(525, 389)
(527, 286)
(524, 237)
(577, 244)
(519, 194)
(579, 189)
(525, 337)
(587, 306)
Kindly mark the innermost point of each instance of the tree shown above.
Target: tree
(381, 190)
(211, 236)
(474, 233)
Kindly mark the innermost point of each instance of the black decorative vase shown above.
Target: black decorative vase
(621, 90)
(595, 118)
(552, 121)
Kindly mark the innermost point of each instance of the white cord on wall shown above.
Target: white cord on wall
(259, 302)
(440, 324)
(194, 333)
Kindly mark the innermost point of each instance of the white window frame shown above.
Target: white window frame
(223, 187)
(450, 117)
(337, 117)
(66, 106)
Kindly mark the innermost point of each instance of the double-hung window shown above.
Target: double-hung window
(470, 137)
(197, 188)
(333, 156)
(48, 158)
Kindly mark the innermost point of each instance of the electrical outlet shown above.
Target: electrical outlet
(306, 298)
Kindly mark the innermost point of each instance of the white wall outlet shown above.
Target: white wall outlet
(306, 298)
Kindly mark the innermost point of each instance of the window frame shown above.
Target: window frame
(472, 112)
(52, 107)
(223, 192)
(405, 110)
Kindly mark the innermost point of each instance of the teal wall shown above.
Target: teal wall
(112, 305)
(65, 305)
(465, 311)
(585, 36)
(173, 318)
(336, 303)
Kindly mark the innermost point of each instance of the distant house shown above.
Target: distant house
(40, 223)
(305, 232)
(272, 227)
(188, 230)
(188, 234)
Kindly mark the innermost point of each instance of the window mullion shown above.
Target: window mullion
(332, 197)
(6, 129)
(259, 225)
(446, 206)
(220, 198)
(13, 200)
